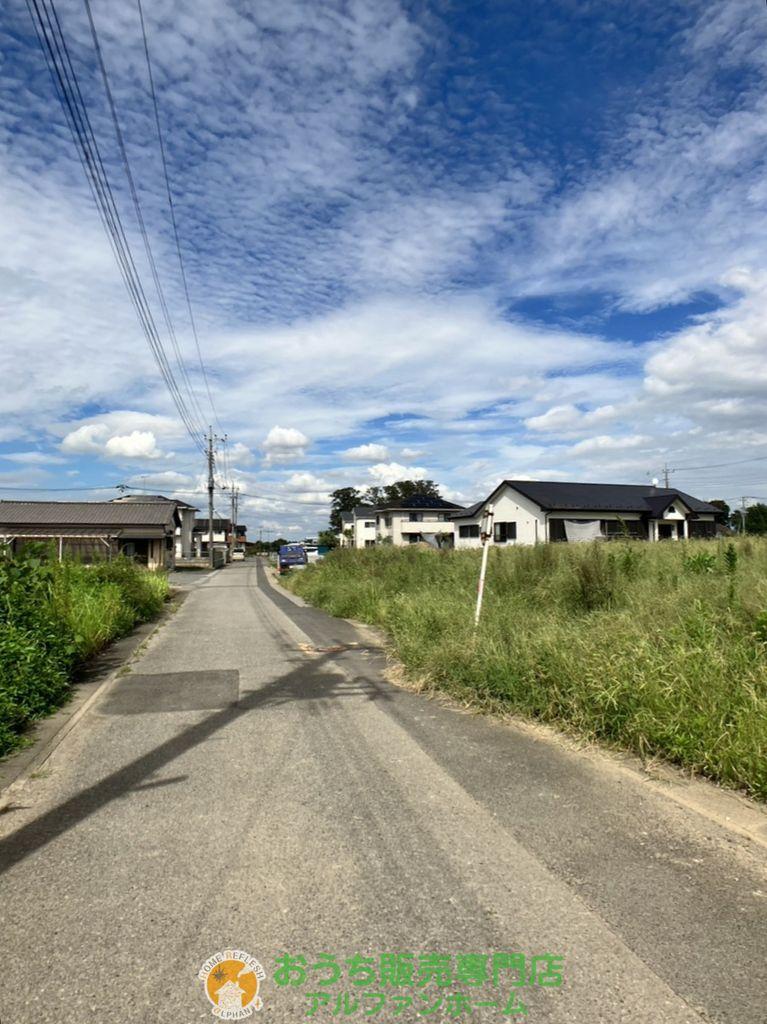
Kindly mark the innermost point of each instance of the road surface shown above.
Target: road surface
(255, 783)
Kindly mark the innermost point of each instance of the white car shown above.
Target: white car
(238, 555)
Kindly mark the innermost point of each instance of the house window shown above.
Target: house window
(387, 521)
(369, 526)
(413, 538)
(468, 531)
(415, 517)
(370, 543)
(441, 517)
(504, 531)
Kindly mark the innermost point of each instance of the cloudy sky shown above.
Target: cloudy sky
(465, 241)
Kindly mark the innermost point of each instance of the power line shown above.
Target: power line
(173, 214)
(59, 62)
(140, 217)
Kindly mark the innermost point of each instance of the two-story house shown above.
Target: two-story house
(418, 519)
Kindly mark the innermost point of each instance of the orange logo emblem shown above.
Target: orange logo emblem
(232, 980)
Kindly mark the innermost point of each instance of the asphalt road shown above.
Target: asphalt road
(254, 782)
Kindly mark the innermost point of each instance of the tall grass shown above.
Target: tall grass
(658, 648)
(53, 617)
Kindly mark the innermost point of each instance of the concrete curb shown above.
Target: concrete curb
(50, 732)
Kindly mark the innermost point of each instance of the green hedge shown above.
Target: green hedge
(53, 616)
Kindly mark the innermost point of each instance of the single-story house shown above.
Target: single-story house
(91, 530)
(532, 511)
(418, 519)
(185, 527)
(361, 523)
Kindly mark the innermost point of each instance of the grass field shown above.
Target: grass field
(53, 617)
(660, 649)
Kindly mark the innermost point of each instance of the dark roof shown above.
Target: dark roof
(559, 496)
(470, 512)
(151, 498)
(219, 525)
(364, 510)
(86, 513)
(420, 501)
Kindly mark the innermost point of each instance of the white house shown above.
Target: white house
(361, 523)
(528, 512)
(418, 519)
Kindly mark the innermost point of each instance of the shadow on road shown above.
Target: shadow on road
(307, 682)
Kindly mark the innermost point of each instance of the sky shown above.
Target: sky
(456, 241)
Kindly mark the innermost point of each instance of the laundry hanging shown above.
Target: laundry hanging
(580, 531)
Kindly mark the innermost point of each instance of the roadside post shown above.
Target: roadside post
(486, 533)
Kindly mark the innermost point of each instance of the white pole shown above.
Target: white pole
(487, 528)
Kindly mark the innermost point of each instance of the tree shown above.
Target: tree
(756, 518)
(342, 500)
(327, 539)
(724, 508)
(391, 494)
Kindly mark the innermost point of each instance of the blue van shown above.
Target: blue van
(291, 555)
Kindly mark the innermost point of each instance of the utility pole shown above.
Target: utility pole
(743, 510)
(235, 503)
(666, 473)
(211, 487)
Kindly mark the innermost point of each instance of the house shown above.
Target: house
(418, 519)
(91, 530)
(532, 511)
(361, 524)
(221, 532)
(185, 527)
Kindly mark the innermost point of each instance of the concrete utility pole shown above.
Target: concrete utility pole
(743, 511)
(211, 487)
(235, 503)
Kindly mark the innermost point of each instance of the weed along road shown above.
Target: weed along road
(254, 783)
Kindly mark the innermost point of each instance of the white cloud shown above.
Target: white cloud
(139, 444)
(33, 458)
(605, 443)
(238, 454)
(169, 480)
(366, 453)
(306, 482)
(390, 472)
(86, 440)
(284, 443)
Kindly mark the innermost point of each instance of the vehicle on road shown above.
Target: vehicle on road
(291, 556)
(313, 553)
(238, 554)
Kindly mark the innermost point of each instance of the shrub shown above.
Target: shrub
(53, 616)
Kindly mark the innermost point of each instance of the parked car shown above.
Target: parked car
(313, 553)
(291, 556)
(238, 554)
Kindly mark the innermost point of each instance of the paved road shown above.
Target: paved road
(255, 782)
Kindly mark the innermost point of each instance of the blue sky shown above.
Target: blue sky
(461, 241)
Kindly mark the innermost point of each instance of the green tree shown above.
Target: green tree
(400, 491)
(756, 518)
(724, 508)
(342, 500)
(327, 539)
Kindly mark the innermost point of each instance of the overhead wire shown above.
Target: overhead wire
(59, 62)
(140, 217)
(171, 207)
